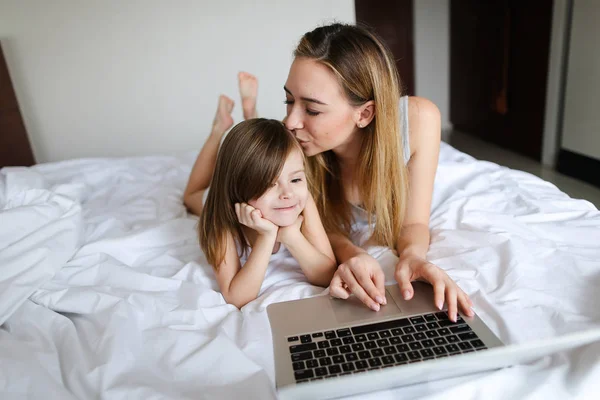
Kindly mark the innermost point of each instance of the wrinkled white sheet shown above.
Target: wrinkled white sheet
(104, 292)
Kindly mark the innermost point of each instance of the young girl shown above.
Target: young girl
(258, 202)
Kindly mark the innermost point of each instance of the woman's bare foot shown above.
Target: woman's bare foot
(248, 90)
(223, 119)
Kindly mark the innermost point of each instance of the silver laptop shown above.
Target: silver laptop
(326, 347)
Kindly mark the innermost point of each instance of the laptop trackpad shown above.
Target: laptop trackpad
(352, 309)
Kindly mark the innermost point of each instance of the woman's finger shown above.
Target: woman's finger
(465, 304)
(336, 287)
(367, 283)
(451, 299)
(438, 293)
(379, 280)
(350, 280)
(402, 276)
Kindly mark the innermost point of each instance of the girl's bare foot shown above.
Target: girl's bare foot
(223, 119)
(248, 90)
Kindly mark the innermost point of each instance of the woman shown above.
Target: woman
(369, 160)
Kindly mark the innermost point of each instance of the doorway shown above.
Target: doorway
(499, 51)
(392, 20)
(15, 149)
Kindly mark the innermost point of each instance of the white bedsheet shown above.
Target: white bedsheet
(104, 292)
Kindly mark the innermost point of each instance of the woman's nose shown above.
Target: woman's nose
(293, 121)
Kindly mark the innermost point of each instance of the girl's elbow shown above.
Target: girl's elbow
(324, 277)
(330, 270)
(187, 197)
(236, 301)
(193, 202)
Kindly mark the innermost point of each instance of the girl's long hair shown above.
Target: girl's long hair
(249, 161)
(365, 70)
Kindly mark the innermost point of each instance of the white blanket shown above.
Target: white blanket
(104, 292)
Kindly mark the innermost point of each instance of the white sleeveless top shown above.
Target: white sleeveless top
(360, 228)
(404, 128)
(282, 252)
(283, 269)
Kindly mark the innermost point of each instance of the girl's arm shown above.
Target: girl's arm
(238, 285)
(310, 246)
(313, 229)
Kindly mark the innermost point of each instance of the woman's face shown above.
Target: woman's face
(318, 113)
(286, 198)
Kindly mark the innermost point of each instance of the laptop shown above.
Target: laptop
(326, 347)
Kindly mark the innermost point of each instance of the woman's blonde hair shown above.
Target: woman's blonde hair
(366, 70)
(249, 161)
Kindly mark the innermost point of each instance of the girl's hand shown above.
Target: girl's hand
(362, 276)
(411, 267)
(287, 233)
(252, 218)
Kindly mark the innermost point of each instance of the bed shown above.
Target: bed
(104, 292)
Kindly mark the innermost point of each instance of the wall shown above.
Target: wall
(581, 128)
(432, 54)
(120, 78)
(112, 78)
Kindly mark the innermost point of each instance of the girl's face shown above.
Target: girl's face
(318, 113)
(286, 198)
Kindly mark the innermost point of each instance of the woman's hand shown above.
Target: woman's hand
(362, 276)
(288, 233)
(411, 267)
(252, 218)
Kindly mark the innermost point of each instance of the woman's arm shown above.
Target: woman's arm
(413, 243)
(425, 136)
(308, 243)
(238, 285)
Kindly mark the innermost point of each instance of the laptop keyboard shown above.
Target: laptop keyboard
(356, 349)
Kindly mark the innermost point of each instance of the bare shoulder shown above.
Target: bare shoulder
(424, 121)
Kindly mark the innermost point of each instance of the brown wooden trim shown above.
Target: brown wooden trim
(15, 149)
(392, 20)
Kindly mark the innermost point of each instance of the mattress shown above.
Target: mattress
(105, 293)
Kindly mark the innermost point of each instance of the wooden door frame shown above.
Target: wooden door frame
(399, 15)
(14, 141)
(556, 83)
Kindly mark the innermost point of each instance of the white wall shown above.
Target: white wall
(120, 78)
(432, 54)
(581, 128)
